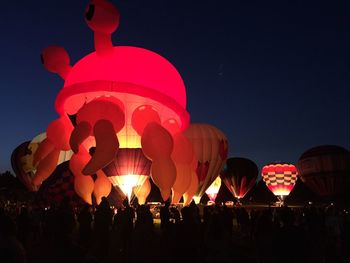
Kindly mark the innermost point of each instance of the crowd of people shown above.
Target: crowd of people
(215, 233)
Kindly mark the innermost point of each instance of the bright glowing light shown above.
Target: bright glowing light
(213, 189)
(127, 182)
(196, 199)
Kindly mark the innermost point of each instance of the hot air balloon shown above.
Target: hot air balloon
(23, 162)
(280, 178)
(19, 165)
(33, 146)
(128, 170)
(58, 187)
(116, 98)
(213, 189)
(239, 175)
(210, 146)
(325, 170)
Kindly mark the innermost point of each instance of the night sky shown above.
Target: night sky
(274, 76)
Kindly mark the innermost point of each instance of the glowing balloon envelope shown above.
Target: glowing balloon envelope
(142, 191)
(239, 175)
(210, 146)
(280, 178)
(129, 169)
(114, 99)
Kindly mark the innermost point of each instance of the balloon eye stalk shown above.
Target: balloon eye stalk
(90, 13)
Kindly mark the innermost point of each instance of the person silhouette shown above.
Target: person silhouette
(127, 225)
(102, 225)
(85, 220)
(165, 216)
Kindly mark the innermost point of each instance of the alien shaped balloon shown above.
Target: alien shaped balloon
(115, 97)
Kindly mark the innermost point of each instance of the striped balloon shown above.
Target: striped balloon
(210, 146)
(280, 178)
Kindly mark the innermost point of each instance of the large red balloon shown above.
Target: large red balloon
(114, 98)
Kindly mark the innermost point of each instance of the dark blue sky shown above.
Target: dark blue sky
(274, 76)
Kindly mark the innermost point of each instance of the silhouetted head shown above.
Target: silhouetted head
(126, 202)
(104, 202)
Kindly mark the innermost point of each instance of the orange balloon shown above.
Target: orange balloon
(163, 173)
(45, 147)
(156, 141)
(46, 167)
(102, 186)
(143, 191)
(78, 161)
(183, 150)
(191, 190)
(165, 193)
(107, 146)
(182, 182)
(84, 186)
(107, 108)
(80, 133)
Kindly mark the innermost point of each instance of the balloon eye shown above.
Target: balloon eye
(90, 13)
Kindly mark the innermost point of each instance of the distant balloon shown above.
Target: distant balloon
(210, 146)
(325, 169)
(20, 165)
(239, 175)
(280, 178)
